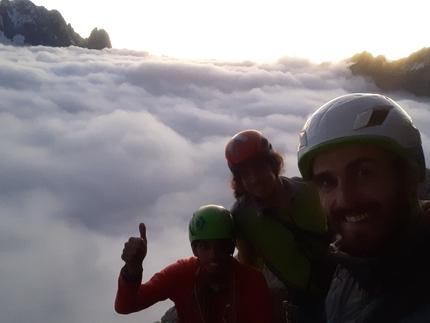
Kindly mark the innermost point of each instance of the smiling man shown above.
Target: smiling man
(365, 156)
(211, 287)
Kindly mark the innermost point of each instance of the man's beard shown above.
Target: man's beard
(392, 215)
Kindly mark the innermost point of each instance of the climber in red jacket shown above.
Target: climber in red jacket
(211, 287)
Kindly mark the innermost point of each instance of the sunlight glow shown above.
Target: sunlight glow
(243, 30)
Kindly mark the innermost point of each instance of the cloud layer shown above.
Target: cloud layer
(94, 142)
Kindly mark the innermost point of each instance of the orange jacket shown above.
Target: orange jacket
(247, 302)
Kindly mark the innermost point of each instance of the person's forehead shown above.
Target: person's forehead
(253, 163)
(214, 242)
(341, 157)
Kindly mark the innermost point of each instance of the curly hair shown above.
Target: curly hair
(276, 163)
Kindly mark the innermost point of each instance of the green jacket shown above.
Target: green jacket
(290, 242)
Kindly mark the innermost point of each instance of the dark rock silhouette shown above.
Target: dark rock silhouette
(411, 74)
(24, 23)
(98, 39)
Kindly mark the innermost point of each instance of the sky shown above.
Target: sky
(95, 142)
(261, 31)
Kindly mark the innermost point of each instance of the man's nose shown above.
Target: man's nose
(346, 193)
(254, 175)
(214, 251)
(251, 177)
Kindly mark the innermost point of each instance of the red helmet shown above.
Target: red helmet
(244, 145)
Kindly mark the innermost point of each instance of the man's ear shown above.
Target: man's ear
(194, 248)
(232, 246)
(412, 183)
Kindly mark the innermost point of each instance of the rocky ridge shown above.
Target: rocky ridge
(410, 74)
(24, 23)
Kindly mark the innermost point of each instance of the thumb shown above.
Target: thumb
(142, 231)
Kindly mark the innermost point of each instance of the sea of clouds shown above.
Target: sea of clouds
(94, 142)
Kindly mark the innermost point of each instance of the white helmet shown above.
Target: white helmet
(361, 118)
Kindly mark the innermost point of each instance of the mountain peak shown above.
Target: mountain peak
(24, 23)
(411, 74)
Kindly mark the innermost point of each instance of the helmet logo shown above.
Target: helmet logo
(200, 224)
(371, 118)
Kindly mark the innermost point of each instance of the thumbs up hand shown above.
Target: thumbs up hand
(134, 252)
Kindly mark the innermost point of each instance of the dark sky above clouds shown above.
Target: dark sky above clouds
(94, 142)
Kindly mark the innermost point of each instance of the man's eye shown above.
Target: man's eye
(324, 183)
(205, 244)
(244, 173)
(364, 172)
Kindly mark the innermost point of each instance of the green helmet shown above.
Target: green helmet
(361, 118)
(211, 222)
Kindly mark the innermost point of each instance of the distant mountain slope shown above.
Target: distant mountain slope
(24, 23)
(411, 74)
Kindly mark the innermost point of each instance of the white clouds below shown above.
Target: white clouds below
(93, 142)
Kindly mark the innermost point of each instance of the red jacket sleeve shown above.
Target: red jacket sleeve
(168, 283)
(127, 296)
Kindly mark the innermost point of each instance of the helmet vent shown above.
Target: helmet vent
(241, 138)
(303, 139)
(235, 149)
(371, 118)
